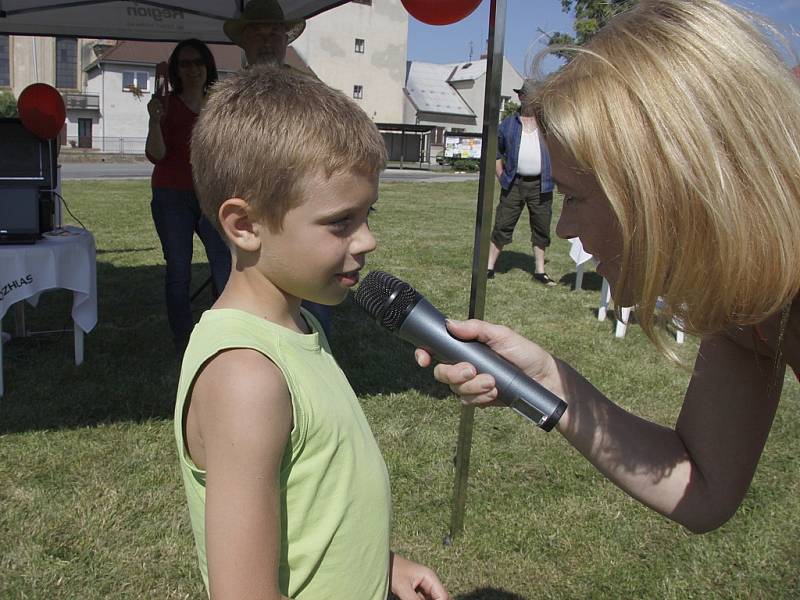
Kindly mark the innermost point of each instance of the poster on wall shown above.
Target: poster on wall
(462, 145)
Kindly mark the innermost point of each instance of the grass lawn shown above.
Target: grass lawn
(91, 503)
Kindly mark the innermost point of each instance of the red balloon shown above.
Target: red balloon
(41, 109)
(440, 12)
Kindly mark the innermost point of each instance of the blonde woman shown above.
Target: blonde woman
(673, 135)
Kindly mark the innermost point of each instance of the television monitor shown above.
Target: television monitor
(19, 213)
(24, 157)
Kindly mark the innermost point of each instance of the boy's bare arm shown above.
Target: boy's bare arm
(244, 413)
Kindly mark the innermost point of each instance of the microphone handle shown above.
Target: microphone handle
(425, 327)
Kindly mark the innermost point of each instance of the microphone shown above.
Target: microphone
(402, 310)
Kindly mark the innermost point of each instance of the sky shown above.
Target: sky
(524, 20)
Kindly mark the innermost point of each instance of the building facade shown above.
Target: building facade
(360, 48)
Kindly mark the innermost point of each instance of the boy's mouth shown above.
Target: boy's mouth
(349, 279)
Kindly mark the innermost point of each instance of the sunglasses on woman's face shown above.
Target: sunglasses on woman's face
(197, 62)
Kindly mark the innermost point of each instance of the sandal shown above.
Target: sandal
(544, 278)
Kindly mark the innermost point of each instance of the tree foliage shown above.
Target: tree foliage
(509, 109)
(8, 104)
(590, 16)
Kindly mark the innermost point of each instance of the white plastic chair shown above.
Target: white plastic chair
(625, 313)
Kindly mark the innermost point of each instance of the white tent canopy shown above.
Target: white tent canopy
(170, 20)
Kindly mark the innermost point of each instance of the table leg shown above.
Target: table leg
(78, 345)
(579, 276)
(622, 321)
(2, 343)
(679, 335)
(605, 298)
(19, 319)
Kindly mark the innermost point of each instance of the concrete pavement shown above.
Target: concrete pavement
(142, 170)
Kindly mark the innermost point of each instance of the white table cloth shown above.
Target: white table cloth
(68, 262)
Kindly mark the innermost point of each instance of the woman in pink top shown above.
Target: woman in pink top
(176, 211)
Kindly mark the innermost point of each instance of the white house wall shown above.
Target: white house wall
(512, 80)
(473, 91)
(130, 112)
(122, 115)
(328, 47)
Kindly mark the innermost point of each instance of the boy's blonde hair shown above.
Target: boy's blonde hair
(266, 130)
(690, 121)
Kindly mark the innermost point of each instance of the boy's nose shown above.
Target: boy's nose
(364, 241)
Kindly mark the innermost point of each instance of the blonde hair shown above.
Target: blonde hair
(689, 120)
(265, 130)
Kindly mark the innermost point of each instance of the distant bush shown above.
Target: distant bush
(466, 164)
(510, 109)
(8, 104)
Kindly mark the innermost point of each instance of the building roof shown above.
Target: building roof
(469, 71)
(227, 56)
(428, 88)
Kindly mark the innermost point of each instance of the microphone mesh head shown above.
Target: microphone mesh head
(386, 298)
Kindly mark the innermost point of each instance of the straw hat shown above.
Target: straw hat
(262, 11)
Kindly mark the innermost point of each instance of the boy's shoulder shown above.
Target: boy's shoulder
(243, 381)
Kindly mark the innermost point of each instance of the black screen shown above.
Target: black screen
(23, 156)
(19, 210)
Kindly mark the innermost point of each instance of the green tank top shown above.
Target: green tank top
(334, 484)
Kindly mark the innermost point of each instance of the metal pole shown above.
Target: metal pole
(480, 255)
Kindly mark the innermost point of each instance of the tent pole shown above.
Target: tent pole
(480, 255)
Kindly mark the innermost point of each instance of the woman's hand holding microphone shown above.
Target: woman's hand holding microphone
(479, 389)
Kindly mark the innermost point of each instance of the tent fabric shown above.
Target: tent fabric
(167, 20)
(227, 57)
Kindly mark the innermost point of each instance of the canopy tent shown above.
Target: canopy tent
(174, 20)
(171, 20)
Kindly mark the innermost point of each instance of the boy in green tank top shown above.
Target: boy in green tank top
(287, 490)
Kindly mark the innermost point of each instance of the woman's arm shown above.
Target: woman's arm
(244, 413)
(695, 474)
(154, 147)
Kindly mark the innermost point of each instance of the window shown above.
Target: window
(135, 81)
(369, 2)
(358, 92)
(5, 68)
(438, 136)
(457, 130)
(359, 46)
(67, 63)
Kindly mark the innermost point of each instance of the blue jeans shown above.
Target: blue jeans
(177, 217)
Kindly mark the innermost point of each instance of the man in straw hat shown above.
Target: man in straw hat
(523, 169)
(263, 32)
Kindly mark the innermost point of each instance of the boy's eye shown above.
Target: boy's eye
(341, 223)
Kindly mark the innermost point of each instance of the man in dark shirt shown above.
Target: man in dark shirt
(523, 169)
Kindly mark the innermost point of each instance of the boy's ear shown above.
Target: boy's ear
(234, 218)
